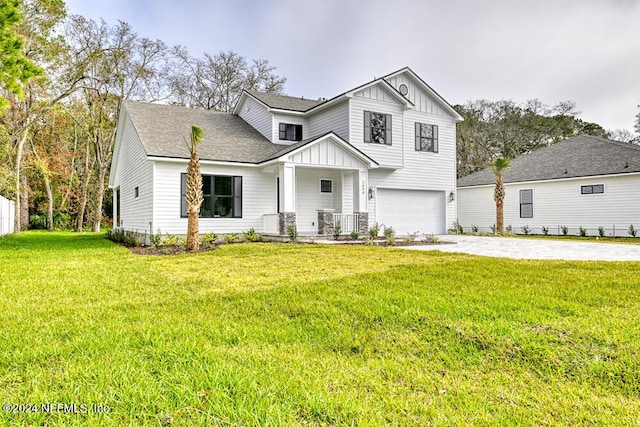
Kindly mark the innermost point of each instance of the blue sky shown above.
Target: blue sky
(584, 51)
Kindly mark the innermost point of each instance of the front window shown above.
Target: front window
(289, 132)
(426, 137)
(222, 196)
(526, 203)
(377, 128)
(592, 189)
(325, 186)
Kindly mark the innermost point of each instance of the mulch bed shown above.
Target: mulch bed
(179, 249)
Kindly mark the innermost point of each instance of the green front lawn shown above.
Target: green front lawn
(278, 334)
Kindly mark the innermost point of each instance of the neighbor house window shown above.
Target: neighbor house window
(592, 189)
(426, 137)
(222, 196)
(377, 128)
(136, 192)
(526, 203)
(289, 132)
(325, 186)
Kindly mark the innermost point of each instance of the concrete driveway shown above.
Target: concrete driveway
(505, 247)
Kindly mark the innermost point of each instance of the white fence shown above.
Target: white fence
(7, 209)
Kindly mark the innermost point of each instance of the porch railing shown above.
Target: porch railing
(348, 222)
(271, 223)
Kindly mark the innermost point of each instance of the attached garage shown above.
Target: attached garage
(408, 211)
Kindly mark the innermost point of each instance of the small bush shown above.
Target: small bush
(431, 238)
(411, 238)
(632, 231)
(601, 231)
(231, 237)
(389, 232)
(354, 235)
(525, 230)
(368, 240)
(457, 227)
(564, 229)
(474, 229)
(493, 229)
(62, 221)
(374, 230)
(251, 235)
(337, 230)
(582, 231)
(127, 238)
(545, 230)
(292, 230)
(37, 222)
(155, 239)
(170, 240)
(208, 240)
(509, 229)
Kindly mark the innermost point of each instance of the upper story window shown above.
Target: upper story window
(592, 189)
(325, 186)
(426, 137)
(377, 128)
(222, 196)
(289, 132)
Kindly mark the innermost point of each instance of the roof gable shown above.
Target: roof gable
(325, 150)
(581, 156)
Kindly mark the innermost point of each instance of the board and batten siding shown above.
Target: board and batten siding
(258, 198)
(134, 170)
(326, 153)
(385, 155)
(334, 119)
(420, 99)
(558, 203)
(257, 116)
(309, 198)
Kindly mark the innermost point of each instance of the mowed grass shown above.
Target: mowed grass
(277, 334)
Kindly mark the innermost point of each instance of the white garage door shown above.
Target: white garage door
(408, 211)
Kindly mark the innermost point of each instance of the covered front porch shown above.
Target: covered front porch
(321, 188)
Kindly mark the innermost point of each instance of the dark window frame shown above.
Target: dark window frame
(378, 128)
(527, 203)
(592, 189)
(214, 199)
(289, 132)
(421, 140)
(324, 188)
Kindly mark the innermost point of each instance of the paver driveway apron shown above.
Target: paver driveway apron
(521, 248)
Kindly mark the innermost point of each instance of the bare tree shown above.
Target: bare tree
(216, 82)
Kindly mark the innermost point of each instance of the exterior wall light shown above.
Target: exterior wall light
(452, 196)
(371, 193)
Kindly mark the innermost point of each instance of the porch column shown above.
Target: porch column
(348, 195)
(361, 199)
(287, 174)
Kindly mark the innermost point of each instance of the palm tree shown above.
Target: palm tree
(499, 165)
(193, 193)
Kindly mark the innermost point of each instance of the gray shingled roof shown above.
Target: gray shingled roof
(284, 102)
(574, 157)
(164, 128)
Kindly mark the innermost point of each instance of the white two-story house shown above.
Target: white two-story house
(383, 153)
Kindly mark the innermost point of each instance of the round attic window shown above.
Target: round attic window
(404, 90)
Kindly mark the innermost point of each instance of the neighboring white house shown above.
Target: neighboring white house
(583, 182)
(383, 152)
(7, 212)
